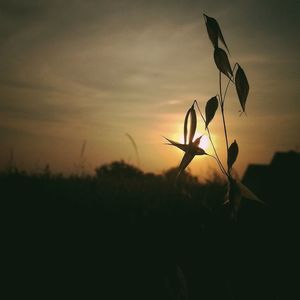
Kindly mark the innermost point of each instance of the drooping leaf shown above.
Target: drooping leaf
(235, 192)
(187, 158)
(210, 110)
(214, 31)
(222, 62)
(191, 114)
(242, 86)
(182, 147)
(232, 154)
(248, 194)
(233, 197)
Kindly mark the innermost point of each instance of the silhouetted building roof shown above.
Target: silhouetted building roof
(276, 181)
(286, 161)
(255, 172)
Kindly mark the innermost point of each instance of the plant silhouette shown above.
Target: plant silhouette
(236, 190)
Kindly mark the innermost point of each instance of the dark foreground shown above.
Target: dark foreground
(138, 236)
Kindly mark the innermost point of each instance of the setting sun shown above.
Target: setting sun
(204, 143)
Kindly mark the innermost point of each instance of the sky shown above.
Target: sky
(92, 71)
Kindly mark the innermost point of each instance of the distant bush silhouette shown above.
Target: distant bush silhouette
(125, 233)
(186, 177)
(118, 169)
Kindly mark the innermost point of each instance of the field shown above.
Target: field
(125, 234)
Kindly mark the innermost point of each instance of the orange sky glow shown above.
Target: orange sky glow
(95, 70)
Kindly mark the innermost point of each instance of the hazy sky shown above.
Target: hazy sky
(94, 70)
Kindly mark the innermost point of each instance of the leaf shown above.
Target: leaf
(196, 142)
(236, 191)
(193, 124)
(233, 197)
(210, 110)
(222, 62)
(196, 150)
(232, 154)
(187, 158)
(182, 147)
(242, 86)
(191, 148)
(214, 31)
(248, 194)
(212, 27)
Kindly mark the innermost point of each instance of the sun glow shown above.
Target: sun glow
(204, 143)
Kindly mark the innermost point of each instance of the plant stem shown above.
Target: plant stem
(223, 117)
(216, 154)
(219, 163)
(228, 82)
(209, 135)
(224, 125)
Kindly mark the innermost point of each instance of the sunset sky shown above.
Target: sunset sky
(94, 70)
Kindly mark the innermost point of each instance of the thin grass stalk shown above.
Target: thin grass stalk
(219, 164)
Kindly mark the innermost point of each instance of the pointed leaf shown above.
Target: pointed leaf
(232, 154)
(222, 39)
(248, 194)
(210, 110)
(235, 192)
(196, 142)
(182, 147)
(233, 197)
(214, 31)
(242, 86)
(187, 158)
(194, 147)
(222, 62)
